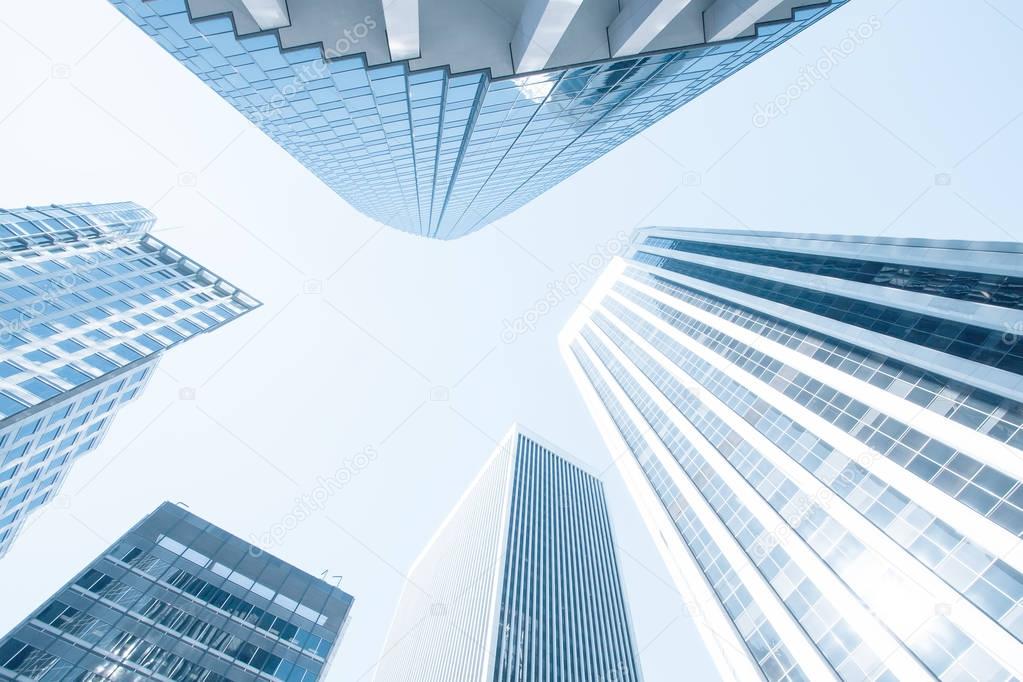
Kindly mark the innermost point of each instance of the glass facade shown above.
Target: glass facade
(436, 153)
(177, 598)
(520, 583)
(851, 512)
(980, 287)
(968, 341)
(88, 302)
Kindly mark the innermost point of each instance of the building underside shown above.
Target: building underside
(508, 37)
(441, 117)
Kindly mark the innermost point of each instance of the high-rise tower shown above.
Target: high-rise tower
(438, 117)
(824, 435)
(521, 579)
(88, 302)
(176, 598)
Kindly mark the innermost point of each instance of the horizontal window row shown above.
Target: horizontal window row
(224, 601)
(995, 416)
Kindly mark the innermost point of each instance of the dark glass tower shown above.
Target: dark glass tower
(177, 598)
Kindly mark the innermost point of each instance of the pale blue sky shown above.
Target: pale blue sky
(371, 338)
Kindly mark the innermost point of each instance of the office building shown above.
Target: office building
(439, 117)
(89, 300)
(176, 598)
(521, 581)
(824, 436)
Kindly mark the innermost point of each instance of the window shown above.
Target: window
(16, 500)
(39, 356)
(42, 331)
(97, 335)
(70, 322)
(113, 388)
(36, 459)
(9, 341)
(27, 480)
(15, 453)
(149, 342)
(127, 352)
(25, 660)
(72, 375)
(10, 405)
(28, 429)
(40, 388)
(70, 346)
(101, 363)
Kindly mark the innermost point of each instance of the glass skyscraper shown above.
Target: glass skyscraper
(439, 117)
(176, 598)
(825, 436)
(88, 302)
(520, 582)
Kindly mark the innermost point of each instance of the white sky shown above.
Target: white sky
(371, 338)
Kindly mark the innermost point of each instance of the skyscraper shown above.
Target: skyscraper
(520, 580)
(439, 117)
(178, 598)
(824, 435)
(89, 300)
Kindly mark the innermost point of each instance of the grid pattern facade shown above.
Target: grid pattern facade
(434, 153)
(968, 341)
(88, 302)
(980, 287)
(38, 451)
(870, 502)
(179, 599)
(521, 583)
